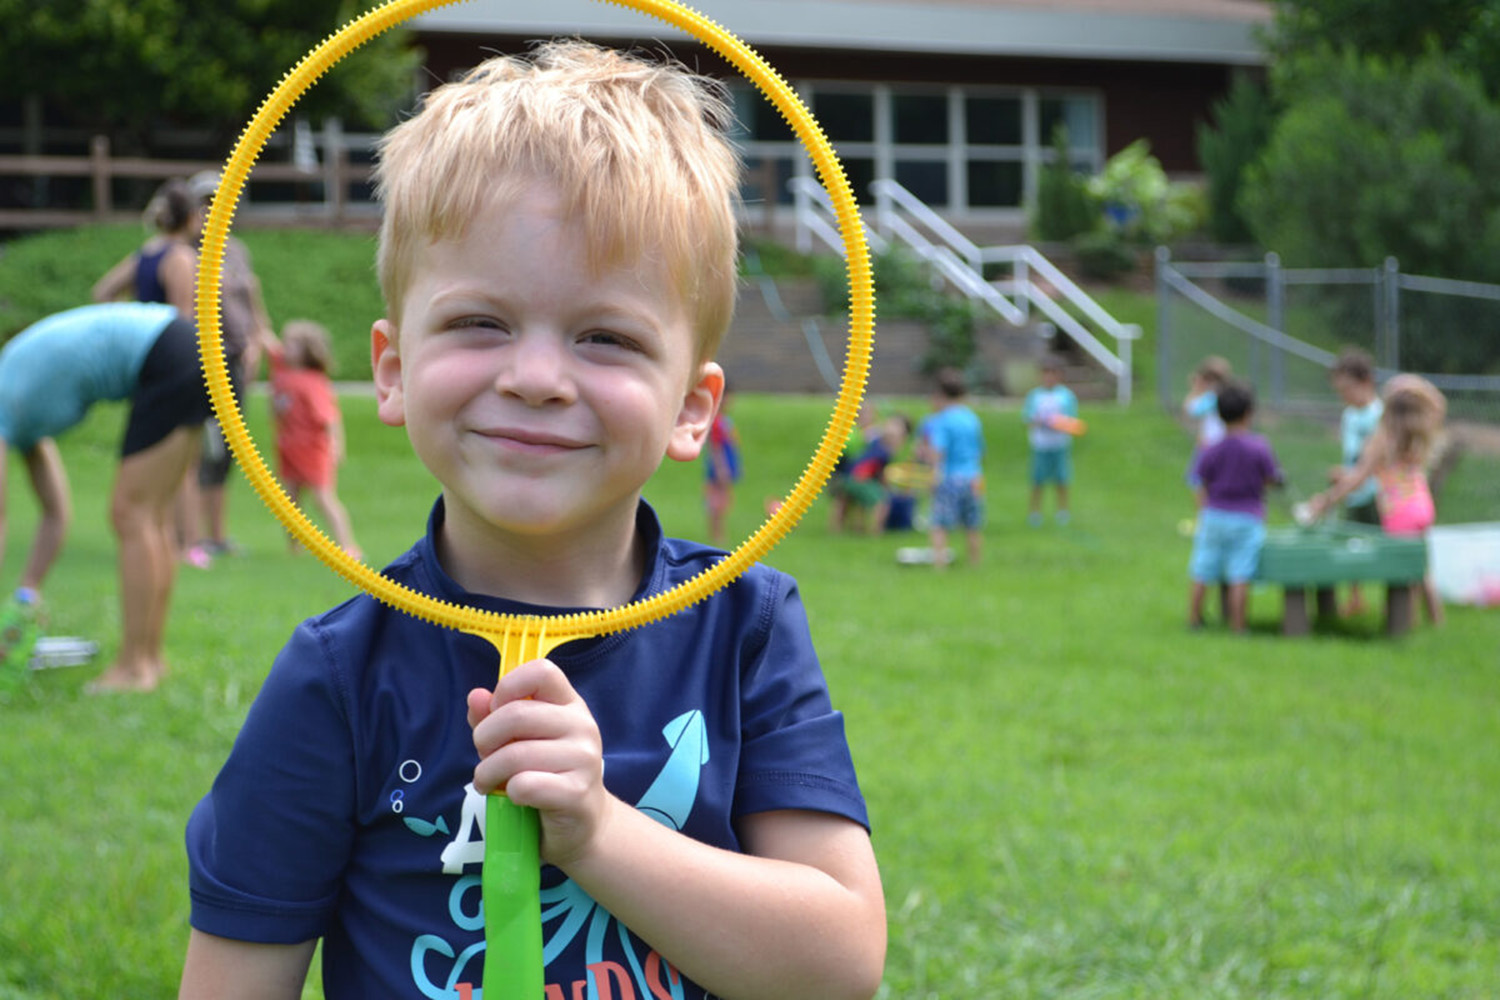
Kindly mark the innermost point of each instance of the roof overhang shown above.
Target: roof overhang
(1212, 31)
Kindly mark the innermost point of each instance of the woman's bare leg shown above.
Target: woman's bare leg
(142, 510)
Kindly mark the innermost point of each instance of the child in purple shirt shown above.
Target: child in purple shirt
(1233, 474)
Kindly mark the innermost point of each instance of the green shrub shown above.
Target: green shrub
(904, 288)
(1241, 127)
(1064, 207)
(1140, 203)
(1103, 255)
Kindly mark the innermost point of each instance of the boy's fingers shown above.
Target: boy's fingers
(540, 679)
(479, 705)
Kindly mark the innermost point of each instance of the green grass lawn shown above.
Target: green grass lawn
(1072, 796)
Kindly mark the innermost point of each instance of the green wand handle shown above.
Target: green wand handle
(512, 876)
(512, 902)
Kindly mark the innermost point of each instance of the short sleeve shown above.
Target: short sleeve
(794, 753)
(268, 845)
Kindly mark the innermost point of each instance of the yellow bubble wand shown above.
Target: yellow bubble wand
(513, 933)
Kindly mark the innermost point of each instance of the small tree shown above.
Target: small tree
(1064, 207)
(1241, 127)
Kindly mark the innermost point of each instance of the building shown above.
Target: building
(957, 100)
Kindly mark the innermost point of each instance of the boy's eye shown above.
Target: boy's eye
(476, 323)
(609, 338)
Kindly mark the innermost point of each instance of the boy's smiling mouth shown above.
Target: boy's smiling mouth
(528, 441)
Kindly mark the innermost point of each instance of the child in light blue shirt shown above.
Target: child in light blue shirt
(1051, 448)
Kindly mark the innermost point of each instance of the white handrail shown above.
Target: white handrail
(816, 218)
(901, 216)
(1012, 299)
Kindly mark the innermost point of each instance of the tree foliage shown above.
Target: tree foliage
(1241, 127)
(1376, 158)
(1468, 31)
(121, 67)
(1064, 207)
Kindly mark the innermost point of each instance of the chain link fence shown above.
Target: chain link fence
(1281, 328)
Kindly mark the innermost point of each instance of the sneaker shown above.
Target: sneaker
(1035, 520)
(1063, 517)
(228, 547)
(198, 557)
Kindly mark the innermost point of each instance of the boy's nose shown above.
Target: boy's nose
(535, 369)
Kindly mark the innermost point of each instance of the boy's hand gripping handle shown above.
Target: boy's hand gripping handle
(511, 880)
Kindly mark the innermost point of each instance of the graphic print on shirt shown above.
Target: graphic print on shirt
(567, 911)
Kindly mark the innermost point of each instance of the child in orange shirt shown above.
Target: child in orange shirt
(309, 427)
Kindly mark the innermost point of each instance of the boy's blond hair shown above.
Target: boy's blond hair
(636, 149)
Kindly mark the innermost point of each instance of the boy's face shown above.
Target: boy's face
(540, 395)
(1050, 377)
(1352, 391)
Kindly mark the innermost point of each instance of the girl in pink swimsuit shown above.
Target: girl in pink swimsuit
(1396, 455)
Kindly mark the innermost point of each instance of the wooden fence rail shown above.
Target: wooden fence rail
(332, 208)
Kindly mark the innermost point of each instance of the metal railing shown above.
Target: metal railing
(903, 219)
(1291, 370)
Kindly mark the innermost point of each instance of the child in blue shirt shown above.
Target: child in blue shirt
(1353, 378)
(1051, 449)
(558, 261)
(953, 441)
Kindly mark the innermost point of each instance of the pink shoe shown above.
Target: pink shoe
(197, 556)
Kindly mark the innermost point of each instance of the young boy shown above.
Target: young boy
(1051, 449)
(953, 441)
(1231, 526)
(1353, 378)
(558, 262)
(865, 491)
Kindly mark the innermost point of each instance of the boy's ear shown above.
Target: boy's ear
(385, 362)
(699, 407)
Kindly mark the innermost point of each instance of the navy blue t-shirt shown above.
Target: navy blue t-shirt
(345, 809)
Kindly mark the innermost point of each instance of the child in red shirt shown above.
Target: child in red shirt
(309, 427)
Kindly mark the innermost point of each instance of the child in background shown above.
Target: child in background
(1202, 407)
(1233, 476)
(309, 427)
(721, 468)
(868, 498)
(558, 259)
(1395, 458)
(953, 440)
(1051, 449)
(1353, 378)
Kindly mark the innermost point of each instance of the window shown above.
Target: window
(960, 149)
(1076, 114)
(996, 183)
(927, 179)
(845, 117)
(920, 119)
(993, 121)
